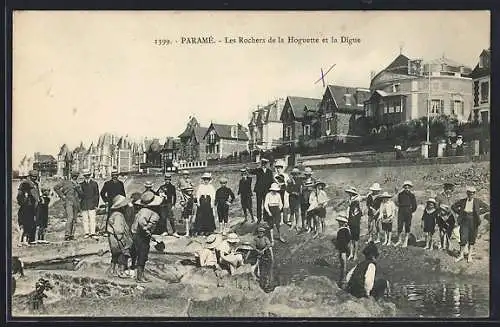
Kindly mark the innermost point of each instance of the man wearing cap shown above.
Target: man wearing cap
(245, 193)
(169, 194)
(263, 179)
(407, 205)
(469, 210)
(224, 196)
(373, 204)
(70, 193)
(148, 187)
(112, 188)
(144, 224)
(307, 187)
(28, 198)
(294, 189)
(89, 203)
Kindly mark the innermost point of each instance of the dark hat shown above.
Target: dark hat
(371, 250)
(320, 183)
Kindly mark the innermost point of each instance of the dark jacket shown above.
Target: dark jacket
(28, 194)
(169, 194)
(263, 180)
(110, 189)
(343, 239)
(245, 187)
(69, 191)
(478, 208)
(222, 195)
(407, 200)
(294, 187)
(90, 195)
(373, 202)
(355, 212)
(356, 285)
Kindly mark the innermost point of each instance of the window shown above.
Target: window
(211, 137)
(395, 88)
(328, 123)
(397, 106)
(458, 108)
(347, 99)
(307, 130)
(436, 106)
(391, 107)
(485, 90)
(386, 107)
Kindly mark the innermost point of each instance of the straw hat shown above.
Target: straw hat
(279, 163)
(295, 171)
(246, 246)
(185, 172)
(351, 190)
(470, 189)
(243, 170)
(148, 198)
(223, 180)
(206, 176)
(119, 201)
(233, 238)
(275, 187)
(375, 187)
(341, 217)
(212, 241)
(148, 184)
(308, 171)
(86, 172)
(431, 200)
(385, 195)
(114, 172)
(409, 183)
(320, 183)
(264, 160)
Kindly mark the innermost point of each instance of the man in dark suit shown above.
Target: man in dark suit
(89, 203)
(264, 177)
(112, 188)
(468, 210)
(245, 193)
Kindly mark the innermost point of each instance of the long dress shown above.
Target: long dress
(120, 236)
(205, 220)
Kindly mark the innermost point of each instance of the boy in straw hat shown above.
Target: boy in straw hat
(429, 218)
(354, 214)
(228, 257)
(207, 256)
(387, 214)
(317, 207)
(119, 236)
(446, 224)
(342, 244)
(144, 224)
(224, 197)
(373, 204)
(407, 205)
(272, 207)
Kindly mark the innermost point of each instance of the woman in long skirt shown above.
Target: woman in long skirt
(205, 217)
(119, 236)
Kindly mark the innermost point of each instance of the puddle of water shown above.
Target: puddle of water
(434, 298)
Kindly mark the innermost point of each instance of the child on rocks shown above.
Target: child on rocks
(342, 244)
(446, 224)
(429, 222)
(387, 214)
(42, 217)
(224, 196)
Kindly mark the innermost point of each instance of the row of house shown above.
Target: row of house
(406, 89)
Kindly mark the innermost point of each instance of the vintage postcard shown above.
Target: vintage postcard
(251, 164)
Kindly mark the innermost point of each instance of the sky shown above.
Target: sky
(79, 74)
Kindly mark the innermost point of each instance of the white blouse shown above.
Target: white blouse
(273, 200)
(206, 189)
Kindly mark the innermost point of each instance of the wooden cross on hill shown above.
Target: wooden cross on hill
(322, 78)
